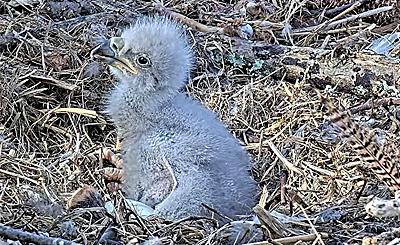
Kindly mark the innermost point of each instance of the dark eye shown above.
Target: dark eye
(143, 60)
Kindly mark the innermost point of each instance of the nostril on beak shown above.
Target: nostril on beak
(117, 44)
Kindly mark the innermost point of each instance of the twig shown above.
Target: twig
(337, 9)
(182, 220)
(334, 31)
(292, 239)
(24, 236)
(288, 164)
(55, 82)
(19, 176)
(356, 35)
(327, 23)
(318, 235)
(345, 20)
(264, 196)
(80, 19)
(359, 16)
(85, 112)
(55, 129)
(190, 22)
(268, 220)
(351, 8)
(375, 103)
(283, 188)
(216, 212)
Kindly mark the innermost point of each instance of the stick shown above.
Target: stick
(183, 220)
(19, 176)
(375, 103)
(52, 81)
(271, 222)
(283, 188)
(285, 162)
(345, 20)
(216, 212)
(187, 21)
(337, 9)
(291, 239)
(359, 16)
(316, 233)
(24, 236)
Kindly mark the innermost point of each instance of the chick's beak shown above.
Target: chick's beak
(108, 52)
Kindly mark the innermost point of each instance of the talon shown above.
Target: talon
(118, 144)
(112, 174)
(109, 155)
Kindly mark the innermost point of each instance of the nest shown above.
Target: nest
(48, 149)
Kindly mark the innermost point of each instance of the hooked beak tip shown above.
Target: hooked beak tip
(105, 53)
(102, 50)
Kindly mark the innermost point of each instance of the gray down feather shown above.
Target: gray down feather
(176, 153)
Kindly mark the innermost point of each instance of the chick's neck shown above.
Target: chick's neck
(134, 109)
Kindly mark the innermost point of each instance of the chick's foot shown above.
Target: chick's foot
(112, 175)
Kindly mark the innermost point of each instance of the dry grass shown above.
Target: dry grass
(46, 155)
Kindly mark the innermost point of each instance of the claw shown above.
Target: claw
(112, 174)
(118, 144)
(107, 154)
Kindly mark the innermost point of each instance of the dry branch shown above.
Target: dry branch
(285, 162)
(337, 9)
(23, 236)
(187, 21)
(345, 20)
(229, 30)
(269, 221)
(291, 239)
(57, 83)
(375, 103)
